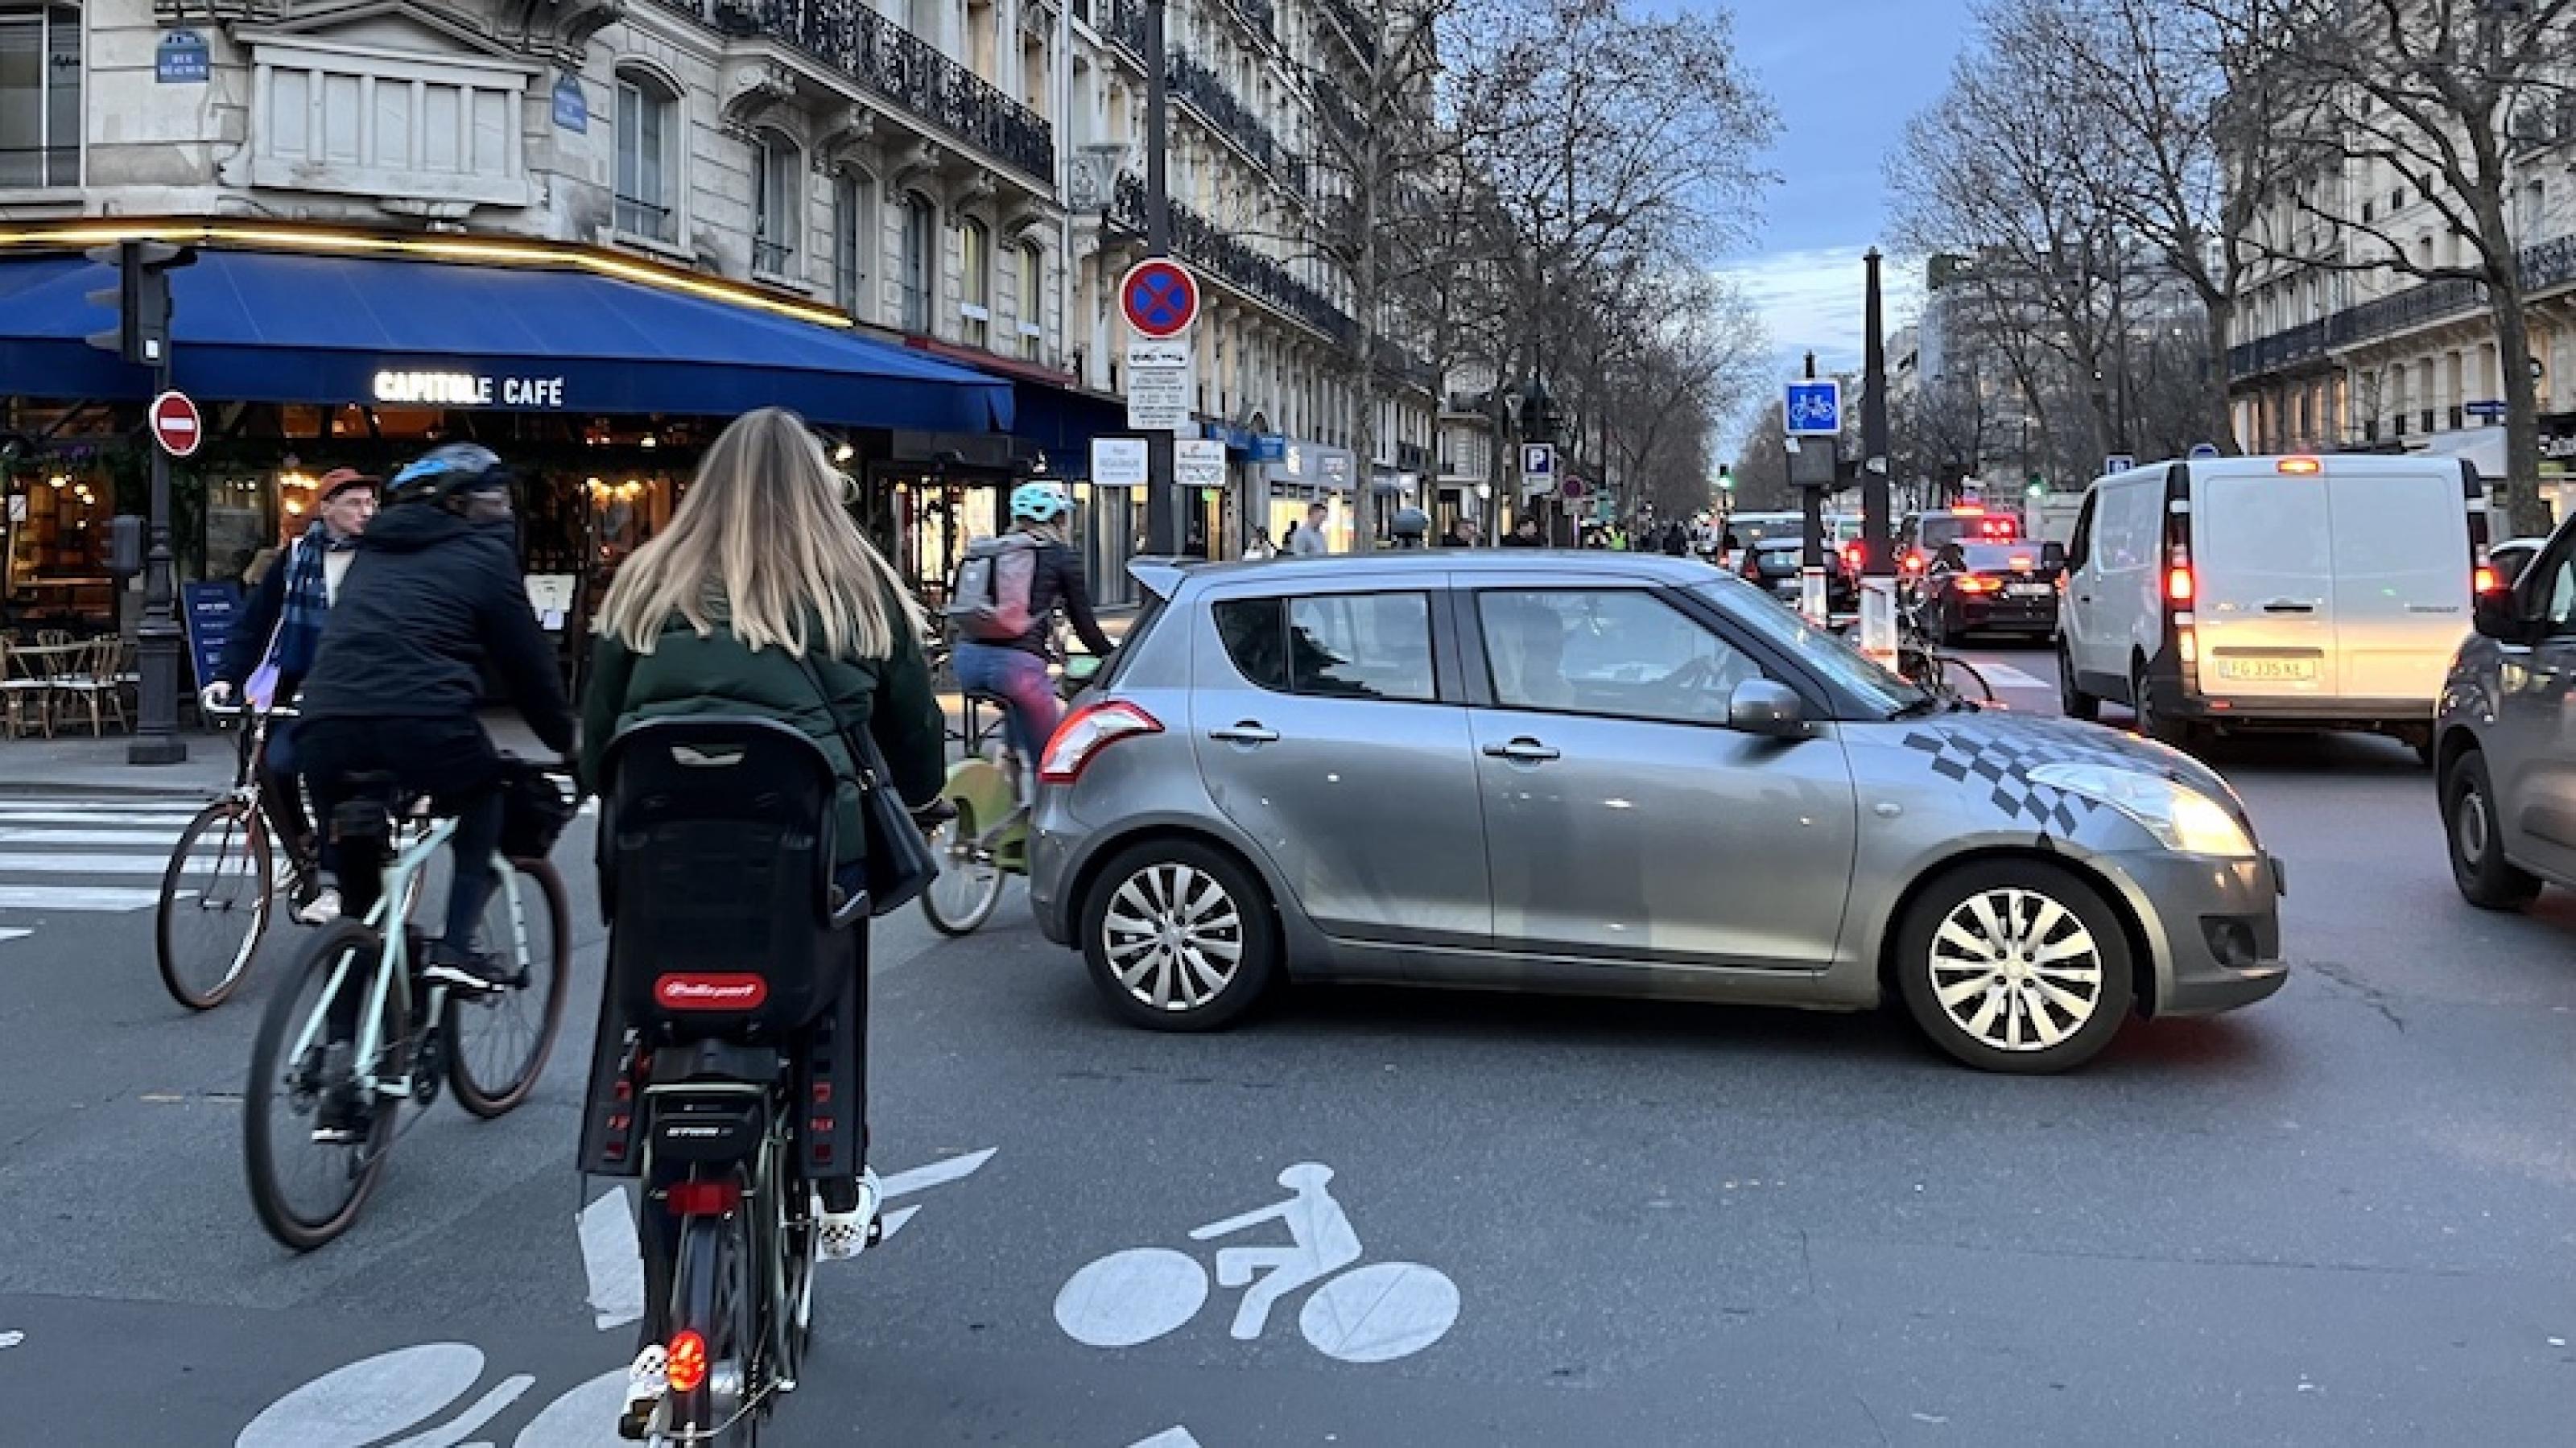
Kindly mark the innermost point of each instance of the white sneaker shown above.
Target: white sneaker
(648, 1381)
(840, 1236)
(324, 909)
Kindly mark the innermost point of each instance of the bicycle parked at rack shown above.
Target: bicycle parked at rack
(1923, 662)
(409, 1036)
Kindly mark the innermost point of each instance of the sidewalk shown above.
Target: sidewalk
(97, 766)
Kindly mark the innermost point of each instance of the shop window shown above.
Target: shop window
(1032, 301)
(975, 281)
(777, 209)
(920, 230)
(57, 545)
(40, 95)
(647, 129)
(853, 232)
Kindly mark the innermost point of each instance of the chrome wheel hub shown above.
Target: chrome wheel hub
(2016, 970)
(1173, 936)
(2472, 828)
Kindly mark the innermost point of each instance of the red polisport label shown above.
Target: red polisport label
(711, 992)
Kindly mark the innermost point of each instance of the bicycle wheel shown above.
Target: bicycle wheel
(968, 888)
(1961, 679)
(307, 1192)
(497, 1044)
(215, 899)
(717, 1320)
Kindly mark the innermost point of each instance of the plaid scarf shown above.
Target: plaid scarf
(308, 600)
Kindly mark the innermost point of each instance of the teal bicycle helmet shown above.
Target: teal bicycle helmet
(1039, 502)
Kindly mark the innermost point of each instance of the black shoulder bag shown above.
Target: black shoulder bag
(899, 864)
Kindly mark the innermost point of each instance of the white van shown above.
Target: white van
(2282, 592)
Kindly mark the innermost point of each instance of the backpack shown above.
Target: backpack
(990, 601)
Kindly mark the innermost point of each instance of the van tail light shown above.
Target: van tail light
(2484, 580)
(688, 1365)
(2178, 583)
(2189, 643)
(1087, 731)
(704, 1199)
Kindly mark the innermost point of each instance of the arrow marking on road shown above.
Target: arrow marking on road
(1174, 1437)
(937, 1174)
(613, 1259)
(12, 1339)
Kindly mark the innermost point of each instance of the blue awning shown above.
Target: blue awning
(280, 327)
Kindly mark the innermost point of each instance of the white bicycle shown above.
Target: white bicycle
(1370, 1314)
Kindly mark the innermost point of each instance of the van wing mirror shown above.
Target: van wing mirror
(2497, 614)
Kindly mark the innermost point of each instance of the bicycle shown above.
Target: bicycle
(983, 834)
(1921, 660)
(219, 888)
(408, 1038)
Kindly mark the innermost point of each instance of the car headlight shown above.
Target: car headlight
(2180, 817)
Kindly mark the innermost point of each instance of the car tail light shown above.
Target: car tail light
(1087, 731)
(1914, 562)
(1971, 583)
(2178, 583)
(2484, 580)
(1851, 556)
(1970, 510)
(704, 1199)
(688, 1365)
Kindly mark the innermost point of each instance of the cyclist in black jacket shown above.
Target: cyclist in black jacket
(1015, 670)
(435, 594)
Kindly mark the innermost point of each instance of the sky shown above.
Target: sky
(1844, 76)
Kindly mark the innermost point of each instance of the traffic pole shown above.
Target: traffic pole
(1163, 532)
(156, 637)
(1878, 560)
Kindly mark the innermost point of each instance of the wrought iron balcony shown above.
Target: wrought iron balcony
(1205, 244)
(1355, 27)
(1122, 23)
(898, 65)
(1207, 93)
(1260, 15)
(2544, 265)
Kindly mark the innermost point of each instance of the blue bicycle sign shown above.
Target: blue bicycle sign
(1814, 408)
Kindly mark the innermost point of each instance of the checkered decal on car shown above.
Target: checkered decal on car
(2005, 761)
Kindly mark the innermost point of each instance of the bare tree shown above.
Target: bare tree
(2431, 90)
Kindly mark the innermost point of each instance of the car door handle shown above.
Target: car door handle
(1522, 751)
(1247, 732)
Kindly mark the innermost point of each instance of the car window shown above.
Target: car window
(1344, 646)
(1612, 652)
(2080, 550)
(2561, 610)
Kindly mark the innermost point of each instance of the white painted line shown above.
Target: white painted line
(2005, 676)
(8, 935)
(11, 819)
(503, 1394)
(937, 1174)
(12, 1339)
(613, 1259)
(75, 897)
(182, 807)
(889, 1223)
(151, 865)
(90, 837)
(1174, 1437)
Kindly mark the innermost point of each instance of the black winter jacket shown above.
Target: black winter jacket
(1059, 578)
(429, 600)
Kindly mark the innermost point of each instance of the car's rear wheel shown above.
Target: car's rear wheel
(2072, 701)
(2016, 966)
(1179, 937)
(2485, 877)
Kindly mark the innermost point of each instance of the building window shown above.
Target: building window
(1032, 300)
(920, 222)
(777, 210)
(40, 95)
(853, 235)
(646, 134)
(975, 283)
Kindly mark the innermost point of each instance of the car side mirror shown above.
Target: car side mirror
(2497, 614)
(2052, 555)
(1766, 707)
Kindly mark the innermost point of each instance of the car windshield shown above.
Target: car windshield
(1997, 557)
(1826, 653)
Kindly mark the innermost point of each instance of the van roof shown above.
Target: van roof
(2346, 465)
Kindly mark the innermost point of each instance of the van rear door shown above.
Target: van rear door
(2262, 559)
(2402, 570)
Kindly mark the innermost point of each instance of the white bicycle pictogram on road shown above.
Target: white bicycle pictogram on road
(1370, 1314)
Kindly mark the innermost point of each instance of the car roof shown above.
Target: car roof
(1625, 567)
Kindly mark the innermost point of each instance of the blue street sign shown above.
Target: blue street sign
(2488, 408)
(180, 59)
(2119, 463)
(1269, 447)
(1814, 408)
(572, 108)
(2204, 450)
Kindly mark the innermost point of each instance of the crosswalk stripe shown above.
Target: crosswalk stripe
(9, 935)
(89, 864)
(75, 897)
(186, 804)
(88, 837)
(10, 819)
(2005, 676)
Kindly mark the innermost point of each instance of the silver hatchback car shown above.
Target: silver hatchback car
(2504, 745)
(1618, 774)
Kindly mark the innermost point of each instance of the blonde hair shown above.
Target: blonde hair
(763, 546)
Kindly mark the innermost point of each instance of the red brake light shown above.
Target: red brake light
(1970, 510)
(704, 1199)
(2178, 583)
(1851, 556)
(1971, 583)
(1087, 731)
(2484, 580)
(1914, 562)
(688, 1366)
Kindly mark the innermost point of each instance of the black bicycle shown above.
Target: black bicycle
(726, 1070)
(221, 885)
(1923, 662)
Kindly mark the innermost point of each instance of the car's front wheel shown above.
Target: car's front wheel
(2016, 966)
(2485, 877)
(1179, 937)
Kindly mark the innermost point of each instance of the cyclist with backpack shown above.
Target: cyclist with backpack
(1003, 607)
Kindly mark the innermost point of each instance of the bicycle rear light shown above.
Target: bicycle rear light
(705, 1198)
(688, 1367)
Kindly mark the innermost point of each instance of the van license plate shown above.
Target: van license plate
(2269, 670)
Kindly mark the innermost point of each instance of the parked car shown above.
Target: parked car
(2506, 752)
(1618, 774)
(1994, 588)
(1778, 567)
(2271, 592)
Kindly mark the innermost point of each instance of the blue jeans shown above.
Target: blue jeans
(1019, 678)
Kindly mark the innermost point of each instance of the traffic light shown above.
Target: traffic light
(1726, 477)
(2038, 486)
(140, 299)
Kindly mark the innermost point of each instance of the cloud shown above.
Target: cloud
(1814, 299)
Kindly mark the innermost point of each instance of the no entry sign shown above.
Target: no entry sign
(175, 424)
(1160, 297)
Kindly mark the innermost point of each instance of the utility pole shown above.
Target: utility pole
(1812, 499)
(141, 300)
(1163, 531)
(1878, 558)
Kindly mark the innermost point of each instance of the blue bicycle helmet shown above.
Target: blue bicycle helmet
(1039, 502)
(443, 472)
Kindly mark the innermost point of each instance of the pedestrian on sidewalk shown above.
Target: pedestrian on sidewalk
(271, 649)
(1310, 540)
(1461, 534)
(1524, 534)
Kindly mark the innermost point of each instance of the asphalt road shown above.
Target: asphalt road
(2347, 1215)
